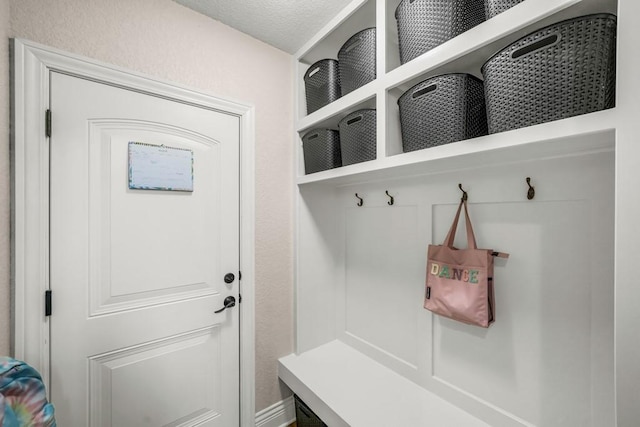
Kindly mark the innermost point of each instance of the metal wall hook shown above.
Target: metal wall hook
(390, 202)
(531, 193)
(361, 202)
(464, 193)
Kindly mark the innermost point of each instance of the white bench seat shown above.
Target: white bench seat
(346, 388)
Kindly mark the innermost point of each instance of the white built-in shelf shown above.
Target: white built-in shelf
(330, 115)
(573, 136)
(346, 388)
(464, 53)
(352, 383)
(357, 15)
(471, 49)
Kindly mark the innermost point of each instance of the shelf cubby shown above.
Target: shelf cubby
(463, 54)
(358, 15)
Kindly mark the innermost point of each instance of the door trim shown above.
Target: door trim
(31, 65)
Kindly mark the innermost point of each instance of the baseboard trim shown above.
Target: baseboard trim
(280, 414)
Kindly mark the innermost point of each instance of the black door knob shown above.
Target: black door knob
(228, 303)
(229, 278)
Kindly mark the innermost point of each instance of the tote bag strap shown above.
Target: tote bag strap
(448, 241)
(471, 238)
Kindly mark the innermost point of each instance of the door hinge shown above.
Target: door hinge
(239, 298)
(47, 123)
(47, 303)
(239, 275)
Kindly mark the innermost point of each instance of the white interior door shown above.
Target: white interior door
(137, 274)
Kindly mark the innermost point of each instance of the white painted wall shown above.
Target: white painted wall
(163, 39)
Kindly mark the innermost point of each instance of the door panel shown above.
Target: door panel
(137, 274)
(123, 376)
(185, 225)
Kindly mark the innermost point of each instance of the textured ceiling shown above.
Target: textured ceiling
(285, 24)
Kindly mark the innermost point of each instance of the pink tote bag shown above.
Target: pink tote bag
(459, 282)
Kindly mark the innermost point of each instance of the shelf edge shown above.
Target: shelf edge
(568, 137)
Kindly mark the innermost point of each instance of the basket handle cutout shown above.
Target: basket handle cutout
(354, 120)
(353, 45)
(314, 72)
(424, 91)
(550, 40)
(304, 411)
(314, 136)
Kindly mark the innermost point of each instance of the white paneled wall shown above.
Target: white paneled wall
(568, 289)
(548, 360)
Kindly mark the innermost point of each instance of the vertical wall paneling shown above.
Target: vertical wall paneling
(548, 359)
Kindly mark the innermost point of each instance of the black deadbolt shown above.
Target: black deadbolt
(229, 278)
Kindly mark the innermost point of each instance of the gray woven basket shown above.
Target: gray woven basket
(357, 60)
(305, 417)
(495, 7)
(322, 84)
(560, 71)
(358, 137)
(425, 24)
(321, 149)
(441, 110)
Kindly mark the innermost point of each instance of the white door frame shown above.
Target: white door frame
(32, 64)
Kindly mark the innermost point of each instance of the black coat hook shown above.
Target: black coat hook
(532, 192)
(464, 193)
(360, 203)
(390, 202)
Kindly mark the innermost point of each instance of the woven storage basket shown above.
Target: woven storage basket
(560, 71)
(357, 58)
(305, 417)
(322, 84)
(358, 137)
(425, 24)
(321, 149)
(494, 7)
(441, 110)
